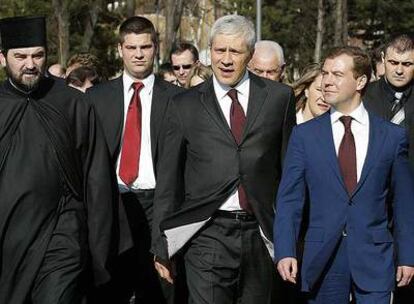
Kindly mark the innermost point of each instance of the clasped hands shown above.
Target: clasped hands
(165, 269)
(288, 270)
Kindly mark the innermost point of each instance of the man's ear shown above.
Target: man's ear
(2, 59)
(362, 81)
(383, 57)
(120, 50)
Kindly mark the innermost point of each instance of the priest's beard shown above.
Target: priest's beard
(26, 79)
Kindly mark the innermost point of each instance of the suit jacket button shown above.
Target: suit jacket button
(239, 149)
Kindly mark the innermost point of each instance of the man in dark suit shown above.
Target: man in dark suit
(392, 98)
(347, 160)
(131, 110)
(219, 170)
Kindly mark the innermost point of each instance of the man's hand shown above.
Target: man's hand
(288, 269)
(164, 269)
(404, 275)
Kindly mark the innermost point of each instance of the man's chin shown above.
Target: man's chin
(27, 85)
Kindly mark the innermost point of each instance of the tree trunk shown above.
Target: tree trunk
(345, 22)
(95, 8)
(338, 22)
(173, 13)
(319, 32)
(61, 8)
(341, 23)
(130, 8)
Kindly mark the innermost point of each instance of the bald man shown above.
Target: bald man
(268, 60)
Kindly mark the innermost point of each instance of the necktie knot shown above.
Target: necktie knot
(233, 95)
(398, 96)
(137, 86)
(346, 120)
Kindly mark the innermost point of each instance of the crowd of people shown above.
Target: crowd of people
(216, 183)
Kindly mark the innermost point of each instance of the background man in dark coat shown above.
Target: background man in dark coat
(392, 98)
(55, 185)
(134, 163)
(218, 172)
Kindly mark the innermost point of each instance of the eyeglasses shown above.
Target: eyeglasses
(184, 66)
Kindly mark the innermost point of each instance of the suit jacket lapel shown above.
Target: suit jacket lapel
(258, 94)
(209, 101)
(158, 105)
(375, 144)
(116, 109)
(326, 141)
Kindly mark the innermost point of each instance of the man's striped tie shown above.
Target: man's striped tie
(397, 110)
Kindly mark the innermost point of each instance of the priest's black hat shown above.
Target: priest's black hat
(21, 32)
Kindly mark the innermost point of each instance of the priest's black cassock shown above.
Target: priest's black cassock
(56, 200)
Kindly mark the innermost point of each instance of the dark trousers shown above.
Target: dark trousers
(404, 295)
(227, 262)
(133, 272)
(337, 284)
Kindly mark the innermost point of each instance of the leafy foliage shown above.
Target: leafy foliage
(292, 23)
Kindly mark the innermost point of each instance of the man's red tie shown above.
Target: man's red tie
(237, 122)
(131, 145)
(347, 156)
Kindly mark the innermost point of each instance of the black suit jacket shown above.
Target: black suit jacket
(108, 100)
(201, 164)
(378, 99)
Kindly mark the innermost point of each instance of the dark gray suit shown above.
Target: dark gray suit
(201, 165)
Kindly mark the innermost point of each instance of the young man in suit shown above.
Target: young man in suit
(392, 97)
(219, 170)
(131, 110)
(347, 160)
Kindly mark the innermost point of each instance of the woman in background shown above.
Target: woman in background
(308, 92)
(198, 74)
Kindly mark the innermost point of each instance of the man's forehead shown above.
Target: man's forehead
(341, 62)
(28, 50)
(141, 38)
(265, 58)
(394, 54)
(186, 54)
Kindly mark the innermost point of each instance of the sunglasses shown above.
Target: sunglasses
(184, 66)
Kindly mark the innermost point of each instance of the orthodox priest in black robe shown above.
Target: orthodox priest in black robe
(56, 202)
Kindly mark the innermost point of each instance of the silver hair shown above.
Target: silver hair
(234, 25)
(273, 47)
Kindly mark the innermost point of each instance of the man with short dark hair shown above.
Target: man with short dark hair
(392, 98)
(346, 161)
(183, 57)
(131, 110)
(55, 186)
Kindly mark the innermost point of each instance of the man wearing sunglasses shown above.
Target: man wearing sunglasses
(183, 57)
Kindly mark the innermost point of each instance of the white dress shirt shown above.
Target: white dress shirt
(243, 88)
(146, 177)
(360, 130)
(299, 117)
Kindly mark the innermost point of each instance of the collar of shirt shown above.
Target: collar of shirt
(242, 87)
(391, 93)
(360, 115)
(147, 81)
(299, 117)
